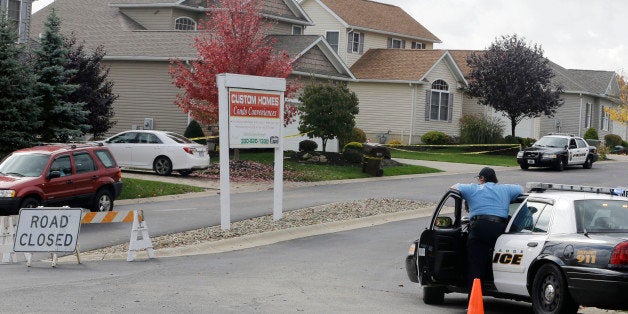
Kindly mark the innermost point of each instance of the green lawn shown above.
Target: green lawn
(457, 155)
(137, 188)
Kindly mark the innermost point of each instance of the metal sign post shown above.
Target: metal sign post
(250, 116)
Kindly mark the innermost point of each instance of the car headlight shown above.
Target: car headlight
(7, 193)
(519, 154)
(550, 156)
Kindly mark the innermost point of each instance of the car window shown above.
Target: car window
(572, 143)
(548, 141)
(105, 158)
(128, 137)
(84, 162)
(531, 218)
(178, 138)
(24, 165)
(597, 215)
(63, 165)
(581, 143)
(148, 138)
(542, 223)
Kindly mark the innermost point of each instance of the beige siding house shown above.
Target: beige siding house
(142, 36)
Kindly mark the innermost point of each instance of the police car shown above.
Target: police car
(558, 151)
(564, 246)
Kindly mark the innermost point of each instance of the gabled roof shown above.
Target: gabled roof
(285, 10)
(377, 17)
(598, 82)
(302, 45)
(409, 65)
(97, 22)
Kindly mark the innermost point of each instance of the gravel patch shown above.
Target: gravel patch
(296, 218)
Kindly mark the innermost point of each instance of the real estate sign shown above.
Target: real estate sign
(254, 118)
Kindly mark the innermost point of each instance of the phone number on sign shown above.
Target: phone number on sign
(254, 141)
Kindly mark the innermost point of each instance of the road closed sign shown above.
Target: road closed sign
(47, 230)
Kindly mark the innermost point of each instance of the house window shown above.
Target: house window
(587, 115)
(605, 120)
(356, 42)
(439, 102)
(184, 24)
(297, 30)
(396, 43)
(332, 39)
(418, 45)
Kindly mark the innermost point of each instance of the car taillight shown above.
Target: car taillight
(620, 254)
(189, 150)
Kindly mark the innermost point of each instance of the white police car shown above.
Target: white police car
(564, 246)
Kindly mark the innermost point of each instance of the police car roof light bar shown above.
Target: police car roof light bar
(541, 186)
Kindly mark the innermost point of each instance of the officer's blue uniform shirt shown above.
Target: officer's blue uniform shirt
(489, 198)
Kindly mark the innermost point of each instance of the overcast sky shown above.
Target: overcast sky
(576, 34)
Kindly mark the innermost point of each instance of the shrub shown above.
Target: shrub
(194, 130)
(509, 139)
(352, 156)
(307, 146)
(624, 143)
(602, 151)
(353, 146)
(479, 130)
(612, 140)
(395, 143)
(527, 142)
(591, 133)
(357, 135)
(436, 138)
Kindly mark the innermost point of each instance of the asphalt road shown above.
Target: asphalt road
(360, 270)
(191, 213)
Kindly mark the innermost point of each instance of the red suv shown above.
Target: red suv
(78, 175)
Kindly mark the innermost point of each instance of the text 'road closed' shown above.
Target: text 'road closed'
(48, 230)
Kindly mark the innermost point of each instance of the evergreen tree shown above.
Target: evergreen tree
(94, 90)
(63, 120)
(18, 107)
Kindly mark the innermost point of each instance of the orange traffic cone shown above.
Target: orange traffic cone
(476, 305)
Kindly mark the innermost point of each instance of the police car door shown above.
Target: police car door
(442, 254)
(520, 245)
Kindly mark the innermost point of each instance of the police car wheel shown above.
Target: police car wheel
(549, 292)
(587, 164)
(433, 295)
(560, 164)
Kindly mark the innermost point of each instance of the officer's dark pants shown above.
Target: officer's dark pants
(482, 237)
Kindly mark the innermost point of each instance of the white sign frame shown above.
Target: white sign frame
(259, 84)
(38, 229)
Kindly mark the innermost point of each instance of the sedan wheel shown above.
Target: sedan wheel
(549, 292)
(560, 164)
(162, 166)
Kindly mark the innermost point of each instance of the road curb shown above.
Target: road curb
(266, 238)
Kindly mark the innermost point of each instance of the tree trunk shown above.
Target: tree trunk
(513, 125)
(324, 140)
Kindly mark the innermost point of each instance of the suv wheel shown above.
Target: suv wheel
(103, 202)
(587, 164)
(30, 202)
(162, 166)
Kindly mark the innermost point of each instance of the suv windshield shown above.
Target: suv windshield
(551, 142)
(24, 165)
(602, 215)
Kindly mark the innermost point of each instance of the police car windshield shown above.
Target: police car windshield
(608, 216)
(548, 141)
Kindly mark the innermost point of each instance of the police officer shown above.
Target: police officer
(488, 204)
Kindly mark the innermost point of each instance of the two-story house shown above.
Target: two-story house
(142, 36)
(18, 13)
(406, 88)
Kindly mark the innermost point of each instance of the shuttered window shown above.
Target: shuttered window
(355, 42)
(439, 102)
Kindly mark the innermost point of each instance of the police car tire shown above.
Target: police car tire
(549, 275)
(433, 295)
(587, 164)
(560, 164)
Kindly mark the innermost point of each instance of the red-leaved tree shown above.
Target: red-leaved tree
(233, 39)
